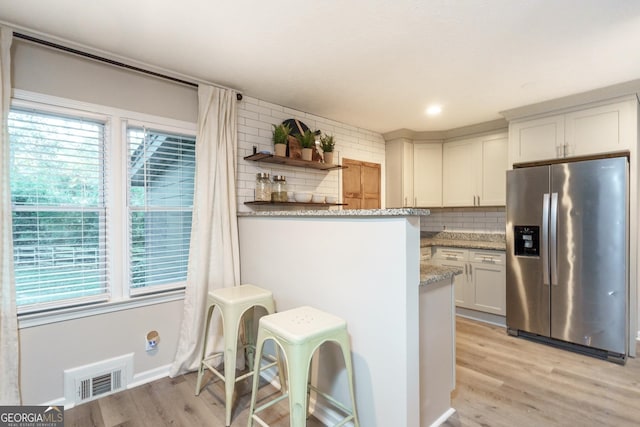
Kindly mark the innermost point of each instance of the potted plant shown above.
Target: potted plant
(308, 143)
(328, 144)
(280, 134)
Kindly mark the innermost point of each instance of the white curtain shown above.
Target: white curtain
(214, 252)
(9, 354)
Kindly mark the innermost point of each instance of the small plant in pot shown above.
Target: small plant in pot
(328, 144)
(280, 134)
(308, 143)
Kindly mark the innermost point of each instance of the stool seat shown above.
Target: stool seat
(302, 324)
(298, 333)
(242, 294)
(233, 303)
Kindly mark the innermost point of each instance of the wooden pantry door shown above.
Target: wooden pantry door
(360, 184)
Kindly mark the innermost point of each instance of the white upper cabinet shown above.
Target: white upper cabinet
(399, 173)
(492, 189)
(595, 130)
(600, 129)
(538, 139)
(474, 171)
(413, 174)
(460, 161)
(427, 174)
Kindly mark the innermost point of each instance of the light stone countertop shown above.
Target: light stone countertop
(430, 273)
(339, 213)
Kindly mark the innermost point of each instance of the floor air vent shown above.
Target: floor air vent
(89, 382)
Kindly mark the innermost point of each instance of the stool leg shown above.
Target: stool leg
(346, 352)
(204, 349)
(281, 373)
(298, 364)
(249, 338)
(256, 377)
(230, 351)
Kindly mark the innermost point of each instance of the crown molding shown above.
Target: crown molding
(571, 101)
(442, 135)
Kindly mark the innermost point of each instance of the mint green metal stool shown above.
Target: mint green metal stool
(233, 302)
(299, 332)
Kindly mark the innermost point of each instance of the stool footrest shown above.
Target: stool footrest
(334, 402)
(272, 362)
(269, 404)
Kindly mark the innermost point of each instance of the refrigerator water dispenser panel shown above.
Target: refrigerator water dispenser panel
(526, 240)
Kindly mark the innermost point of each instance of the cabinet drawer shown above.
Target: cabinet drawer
(425, 253)
(487, 257)
(450, 254)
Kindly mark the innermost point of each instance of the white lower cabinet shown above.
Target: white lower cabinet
(482, 284)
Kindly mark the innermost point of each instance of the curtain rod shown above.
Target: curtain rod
(106, 60)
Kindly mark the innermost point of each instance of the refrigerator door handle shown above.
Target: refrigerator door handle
(545, 239)
(553, 244)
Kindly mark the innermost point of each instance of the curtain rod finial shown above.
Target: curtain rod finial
(239, 96)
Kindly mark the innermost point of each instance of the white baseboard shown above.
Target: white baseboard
(149, 376)
(444, 417)
(56, 402)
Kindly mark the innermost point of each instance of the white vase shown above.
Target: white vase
(280, 149)
(307, 154)
(328, 157)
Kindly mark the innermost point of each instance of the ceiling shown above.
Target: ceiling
(375, 64)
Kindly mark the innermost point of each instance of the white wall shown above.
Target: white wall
(255, 120)
(364, 270)
(47, 350)
(465, 220)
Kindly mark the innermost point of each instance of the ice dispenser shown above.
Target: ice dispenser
(526, 240)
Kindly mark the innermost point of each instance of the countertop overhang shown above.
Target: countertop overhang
(430, 273)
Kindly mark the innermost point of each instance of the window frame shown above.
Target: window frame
(115, 121)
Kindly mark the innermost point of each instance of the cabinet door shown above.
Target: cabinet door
(487, 277)
(352, 186)
(454, 257)
(538, 139)
(399, 173)
(427, 174)
(370, 185)
(460, 282)
(493, 177)
(459, 162)
(600, 129)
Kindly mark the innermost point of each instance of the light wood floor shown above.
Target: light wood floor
(171, 402)
(501, 381)
(509, 381)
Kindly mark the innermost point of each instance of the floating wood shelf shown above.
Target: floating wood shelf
(270, 158)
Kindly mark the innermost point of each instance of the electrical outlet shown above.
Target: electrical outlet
(151, 341)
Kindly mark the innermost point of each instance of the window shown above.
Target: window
(161, 179)
(57, 193)
(80, 182)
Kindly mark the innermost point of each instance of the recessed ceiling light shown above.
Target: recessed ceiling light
(434, 110)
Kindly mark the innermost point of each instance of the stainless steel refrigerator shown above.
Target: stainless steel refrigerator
(567, 255)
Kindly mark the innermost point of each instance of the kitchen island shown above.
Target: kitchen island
(363, 266)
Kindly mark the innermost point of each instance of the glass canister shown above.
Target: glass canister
(263, 187)
(279, 189)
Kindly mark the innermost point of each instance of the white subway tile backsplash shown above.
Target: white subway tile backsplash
(255, 120)
(464, 219)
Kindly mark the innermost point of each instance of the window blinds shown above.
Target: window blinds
(161, 184)
(58, 208)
